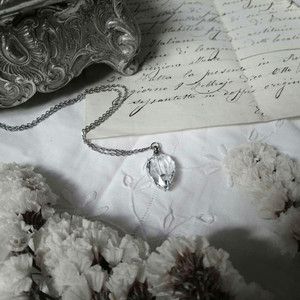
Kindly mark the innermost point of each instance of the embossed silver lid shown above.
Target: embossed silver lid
(12, 7)
(46, 48)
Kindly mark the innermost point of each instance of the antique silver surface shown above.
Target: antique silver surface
(46, 43)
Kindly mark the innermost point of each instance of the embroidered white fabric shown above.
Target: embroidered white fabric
(117, 190)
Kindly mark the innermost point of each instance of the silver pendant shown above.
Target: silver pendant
(161, 168)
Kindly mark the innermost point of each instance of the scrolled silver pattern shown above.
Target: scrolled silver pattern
(44, 50)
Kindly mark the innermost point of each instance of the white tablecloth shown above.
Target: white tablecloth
(117, 190)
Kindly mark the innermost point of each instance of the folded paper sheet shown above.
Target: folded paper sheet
(207, 63)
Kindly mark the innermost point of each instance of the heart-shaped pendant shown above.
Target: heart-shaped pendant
(161, 168)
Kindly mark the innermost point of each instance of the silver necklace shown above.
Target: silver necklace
(160, 167)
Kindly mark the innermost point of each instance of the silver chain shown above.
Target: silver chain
(122, 93)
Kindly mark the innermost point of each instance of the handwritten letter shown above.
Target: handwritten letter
(206, 65)
(265, 36)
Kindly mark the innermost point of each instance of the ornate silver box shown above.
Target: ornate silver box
(46, 43)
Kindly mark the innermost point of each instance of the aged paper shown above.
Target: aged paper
(207, 64)
(265, 36)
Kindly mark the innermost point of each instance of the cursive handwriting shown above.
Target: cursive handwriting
(206, 63)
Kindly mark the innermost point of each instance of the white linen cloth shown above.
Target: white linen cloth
(118, 191)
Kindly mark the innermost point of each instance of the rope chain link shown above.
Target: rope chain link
(123, 94)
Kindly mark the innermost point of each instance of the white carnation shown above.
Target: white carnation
(22, 188)
(25, 201)
(166, 268)
(73, 249)
(272, 177)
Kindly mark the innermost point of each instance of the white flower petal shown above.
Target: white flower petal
(95, 278)
(122, 278)
(78, 291)
(15, 275)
